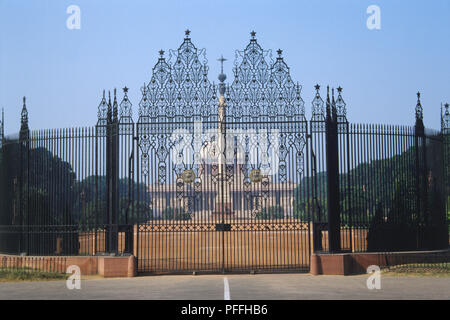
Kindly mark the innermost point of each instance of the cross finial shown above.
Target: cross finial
(187, 32)
(253, 34)
(221, 60)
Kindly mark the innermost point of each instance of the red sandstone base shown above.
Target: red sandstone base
(106, 266)
(357, 263)
(112, 266)
(117, 267)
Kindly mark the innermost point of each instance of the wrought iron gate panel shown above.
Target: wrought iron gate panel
(246, 213)
(270, 220)
(179, 232)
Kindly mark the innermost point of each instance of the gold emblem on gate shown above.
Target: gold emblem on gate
(255, 175)
(188, 176)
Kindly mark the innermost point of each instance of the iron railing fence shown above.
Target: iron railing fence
(391, 190)
(54, 197)
(445, 132)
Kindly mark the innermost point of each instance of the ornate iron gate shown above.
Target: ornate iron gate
(222, 166)
(217, 178)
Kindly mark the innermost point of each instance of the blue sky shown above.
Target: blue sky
(62, 72)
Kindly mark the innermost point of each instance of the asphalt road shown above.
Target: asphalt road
(234, 287)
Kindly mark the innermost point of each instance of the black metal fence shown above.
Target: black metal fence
(54, 192)
(146, 188)
(53, 186)
(391, 189)
(384, 186)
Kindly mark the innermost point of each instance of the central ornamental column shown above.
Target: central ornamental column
(223, 204)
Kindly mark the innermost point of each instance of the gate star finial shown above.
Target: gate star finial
(187, 32)
(253, 34)
(317, 87)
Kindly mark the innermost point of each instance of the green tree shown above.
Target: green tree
(175, 214)
(273, 212)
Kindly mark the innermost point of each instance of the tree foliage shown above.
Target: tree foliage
(273, 212)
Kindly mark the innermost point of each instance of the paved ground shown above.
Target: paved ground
(254, 287)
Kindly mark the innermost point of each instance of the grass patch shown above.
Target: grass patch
(417, 269)
(26, 274)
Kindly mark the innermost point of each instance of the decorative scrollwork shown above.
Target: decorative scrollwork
(445, 120)
(341, 107)
(341, 112)
(180, 86)
(125, 111)
(289, 226)
(419, 109)
(229, 173)
(283, 152)
(299, 144)
(144, 105)
(177, 227)
(125, 114)
(262, 87)
(265, 182)
(318, 110)
(102, 115)
(180, 188)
